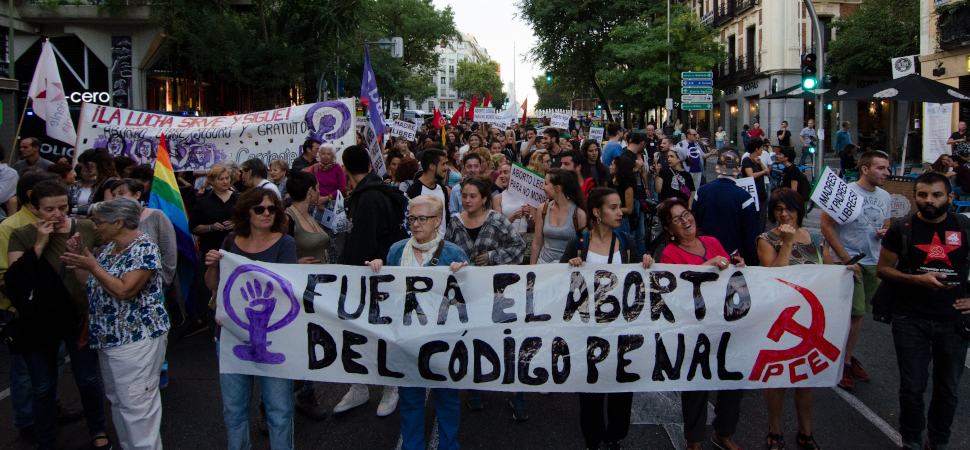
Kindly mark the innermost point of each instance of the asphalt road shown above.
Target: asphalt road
(192, 411)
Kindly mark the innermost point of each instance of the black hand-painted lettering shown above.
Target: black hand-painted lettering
(696, 278)
(508, 376)
(483, 350)
(662, 361)
(348, 354)
(530, 346)
(657, 304)
(602, 298)
(342, 300)
(456, 299)
(560, 350)
(424, 359)
(382, 369)
(411, 298)
(376, 297)
(318, 336)
(500, 303)
(593, 344)
(311, 287)
(633, 281)
(459, 355)
(736, 310)
(722, 372)
(530, 315)
(577, 282)
(702, 358)
(626, 344)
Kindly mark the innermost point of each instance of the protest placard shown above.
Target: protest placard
(484, 114)
(361, 121)
(545, 328)
(405, 129)
(833, 195)
(198, 143)
(560, 120)
(596, 134)
(374, 143)
(748, 184)
(525, 186)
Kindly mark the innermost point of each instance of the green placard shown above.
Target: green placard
(696, 75)
(696, 90)
(696, 106)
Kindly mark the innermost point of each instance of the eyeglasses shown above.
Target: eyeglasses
(679, 219)
(783, 209)
(98, 223)
(419, 219)
(259, 210)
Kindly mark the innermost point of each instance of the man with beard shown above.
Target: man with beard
(928, 307)
(861, 236)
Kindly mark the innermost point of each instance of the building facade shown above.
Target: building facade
(447, 99)
(945, 47)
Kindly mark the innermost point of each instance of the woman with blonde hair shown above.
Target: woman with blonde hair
(540, 162)
(278, 170)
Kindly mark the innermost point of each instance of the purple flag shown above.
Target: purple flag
(369, 96)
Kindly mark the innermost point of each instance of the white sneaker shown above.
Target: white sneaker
(388, 401)
(356, 396)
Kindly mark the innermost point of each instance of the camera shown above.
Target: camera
(80, 210)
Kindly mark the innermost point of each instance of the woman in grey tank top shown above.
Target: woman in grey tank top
(312, 241)
(566, 207)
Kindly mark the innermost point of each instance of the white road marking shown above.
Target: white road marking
(886, 429)
(4, 394)
(663, 408)
(968, 361)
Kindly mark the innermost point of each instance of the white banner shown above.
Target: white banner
(525, 186)
(198, 143)
(560, 120)
(596, 134)
(404, 128)
(833, 195)
(484, 114)
(748, 184)
(937, 126)
(545, 328)
(903, 66)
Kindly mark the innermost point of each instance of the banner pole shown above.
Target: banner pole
(17, 133)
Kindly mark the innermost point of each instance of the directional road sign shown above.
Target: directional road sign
(696, 98)
(696, 90)
(696, 75)
(696, 106)
(697, 82)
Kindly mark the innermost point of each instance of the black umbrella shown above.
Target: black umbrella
(798, 92)
(911, 88)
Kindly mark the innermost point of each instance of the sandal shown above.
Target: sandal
(807, 442)
(774, 442)
(106, 446)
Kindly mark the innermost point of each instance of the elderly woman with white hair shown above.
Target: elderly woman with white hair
(426, 247)
(129, 325)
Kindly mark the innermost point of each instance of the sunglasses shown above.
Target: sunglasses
(259, 210)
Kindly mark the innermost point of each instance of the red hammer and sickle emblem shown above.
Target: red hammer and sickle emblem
(812, 337)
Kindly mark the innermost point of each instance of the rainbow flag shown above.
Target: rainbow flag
(166, 197)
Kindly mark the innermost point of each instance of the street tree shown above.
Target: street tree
(473, 78)
(866, 40)
(552, 95)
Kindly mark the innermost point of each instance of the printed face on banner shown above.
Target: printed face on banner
(198, 143)
(548, 328)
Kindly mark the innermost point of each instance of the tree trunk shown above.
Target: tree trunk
(262, 20)
(602, 97)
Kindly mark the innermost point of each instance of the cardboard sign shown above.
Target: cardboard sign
(525, 186)
(544, 328)
(748, 184)
(484, 114)
(374, 144)
(560, 120)
(833, 195)
(405, 129)
(596, 134)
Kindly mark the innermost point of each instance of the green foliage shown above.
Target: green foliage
(552, 95)
(472, 78)
(866, 40)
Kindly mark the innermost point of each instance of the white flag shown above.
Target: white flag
(49, 102)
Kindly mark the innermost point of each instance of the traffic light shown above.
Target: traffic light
(548, 77)
(599, 106)
(621, 105)
(829, 106)
(809, 72)
(830, 81)
(811, 150)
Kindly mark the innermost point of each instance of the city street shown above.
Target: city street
(192, 418)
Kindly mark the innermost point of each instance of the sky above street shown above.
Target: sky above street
(497, 29)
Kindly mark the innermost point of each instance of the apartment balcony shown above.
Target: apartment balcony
(744, 5)
(725, 73)
(953, 29)
(132, 11)
(724, 13)
(747, 65)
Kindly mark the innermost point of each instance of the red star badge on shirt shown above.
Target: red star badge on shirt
(937, 251)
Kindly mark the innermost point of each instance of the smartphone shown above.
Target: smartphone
(734, 254)
(855, 259)
(950, 283)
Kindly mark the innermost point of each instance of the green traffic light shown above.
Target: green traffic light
(548, 78)
(809, 83)
(811, 150)
(828, 106)
(599, 106)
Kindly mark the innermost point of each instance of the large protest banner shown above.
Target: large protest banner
(546, 328)
(198, 143)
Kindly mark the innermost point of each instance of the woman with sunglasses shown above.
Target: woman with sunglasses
(685, 246)
(426, 247)
(604, 244)
(259, 226)
(789, 244)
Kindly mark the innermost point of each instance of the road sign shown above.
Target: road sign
(696, 106)
(696, 98)
(670, 103)
(696, 75)
(697, 82)
(696, 90)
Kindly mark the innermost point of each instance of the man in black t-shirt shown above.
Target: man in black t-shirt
(928, 286)
(960, 142)
(791, 177)
(784, 136)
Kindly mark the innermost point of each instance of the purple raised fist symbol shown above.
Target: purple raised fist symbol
(260, 302)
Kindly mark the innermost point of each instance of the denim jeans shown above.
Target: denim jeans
(277, 393)
(640, 234)
(918, 342)
(44, 372)
(21, 393)
(447, 406)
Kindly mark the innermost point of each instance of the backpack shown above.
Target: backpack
(804, 186)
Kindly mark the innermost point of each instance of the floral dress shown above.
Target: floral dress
(810, 253)
(117, 322)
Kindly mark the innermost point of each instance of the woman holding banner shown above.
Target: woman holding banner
(686, 247)
(789, 244)
(426, 247)
(604, 244)
(488, 239)
(259, 233)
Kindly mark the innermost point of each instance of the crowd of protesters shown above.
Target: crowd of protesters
(86, 238)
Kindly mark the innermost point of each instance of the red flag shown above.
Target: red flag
(471, 109)
(525, 109)
(458, 115)
(488, 99)
(439, 120)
